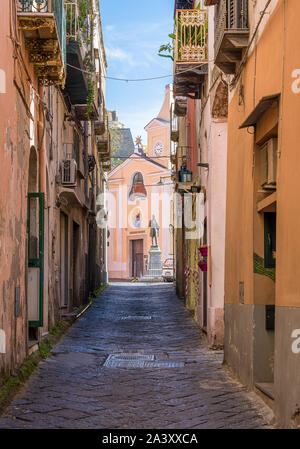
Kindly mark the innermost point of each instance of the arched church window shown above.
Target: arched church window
(138, 189)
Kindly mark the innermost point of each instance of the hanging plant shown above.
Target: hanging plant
(89, 66)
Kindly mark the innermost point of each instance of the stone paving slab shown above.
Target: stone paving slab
(73, 388)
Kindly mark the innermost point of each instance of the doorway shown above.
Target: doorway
(64, 259)
(264, 314)
(75, 258)
(137, 258)
(35, 249)
(204, 278)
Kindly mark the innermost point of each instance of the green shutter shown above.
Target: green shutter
(36, 248)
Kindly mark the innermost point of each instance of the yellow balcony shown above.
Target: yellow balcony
(190, 51)
(43, 24)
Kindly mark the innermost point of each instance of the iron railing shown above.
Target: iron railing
(34, 5)
(174, 121)
(230, 15)
(72, 17)
(48, 6)
(173, 152)
(78, 28)
(191, 30)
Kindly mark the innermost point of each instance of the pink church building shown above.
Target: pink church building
(138, 188)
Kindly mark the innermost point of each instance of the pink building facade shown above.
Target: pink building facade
(138, 188)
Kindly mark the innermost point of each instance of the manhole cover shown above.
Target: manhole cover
(137, 318)
(127, 360)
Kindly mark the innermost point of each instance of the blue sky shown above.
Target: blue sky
(133, 32)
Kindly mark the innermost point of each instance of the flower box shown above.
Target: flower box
(202, 266)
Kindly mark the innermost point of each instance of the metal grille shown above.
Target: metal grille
(191, 29)
(135, 360)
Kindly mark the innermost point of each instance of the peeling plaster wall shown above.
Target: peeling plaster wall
(14, 161)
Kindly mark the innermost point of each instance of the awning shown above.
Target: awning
(264, 104)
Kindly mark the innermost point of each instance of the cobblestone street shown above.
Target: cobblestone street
(73, 388)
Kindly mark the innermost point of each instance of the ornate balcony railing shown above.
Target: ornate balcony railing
(191, 36)
(231, 32)
(34, 5)
(173, 153)
(190, 50)
(44, 25)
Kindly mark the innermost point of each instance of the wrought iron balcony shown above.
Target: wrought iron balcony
(106, 165)
(190, 51)
(173, 155)
(231, 33)
(100, 125)
(43, 23)
(77, 28)
(103, 143)
(174, 125)
(180, 106)
(78, 35)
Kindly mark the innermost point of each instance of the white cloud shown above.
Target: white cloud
(117, 53)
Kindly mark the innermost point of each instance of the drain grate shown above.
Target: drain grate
(163, 364)
(137, 318)
(128, 360)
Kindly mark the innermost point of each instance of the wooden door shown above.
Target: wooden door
(137, 258)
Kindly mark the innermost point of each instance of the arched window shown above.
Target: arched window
(138, 189)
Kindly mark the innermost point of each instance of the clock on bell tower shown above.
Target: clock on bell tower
(158, 148)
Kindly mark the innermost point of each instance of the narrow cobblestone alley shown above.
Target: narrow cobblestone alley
(73, 388)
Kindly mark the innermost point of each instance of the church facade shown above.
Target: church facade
(139, 188)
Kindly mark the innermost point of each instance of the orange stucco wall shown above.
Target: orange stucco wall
(268, 71)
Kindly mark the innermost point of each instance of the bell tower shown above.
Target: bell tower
(158, 132)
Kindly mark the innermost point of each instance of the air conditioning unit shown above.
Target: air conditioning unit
(268, 162)
(69, 172)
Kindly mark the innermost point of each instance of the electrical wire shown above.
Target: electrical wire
(137, 79)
